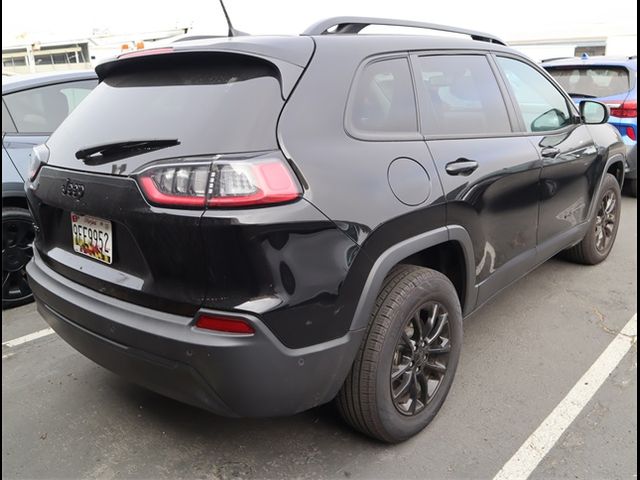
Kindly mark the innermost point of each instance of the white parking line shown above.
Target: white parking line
(27, 338)
(536, 447)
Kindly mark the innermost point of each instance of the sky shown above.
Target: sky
(511, 20)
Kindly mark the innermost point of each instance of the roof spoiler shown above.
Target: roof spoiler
(353, 25)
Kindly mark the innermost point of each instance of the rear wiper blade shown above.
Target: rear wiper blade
(581, 95)
(111, 152)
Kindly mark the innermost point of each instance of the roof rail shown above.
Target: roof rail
(554, 59)
(346, 25)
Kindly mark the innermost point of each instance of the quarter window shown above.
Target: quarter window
(41, 110)
(384, 101)
(542, 105)
(462, 96)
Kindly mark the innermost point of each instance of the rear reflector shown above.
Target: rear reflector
(224, 324)
(631, 133)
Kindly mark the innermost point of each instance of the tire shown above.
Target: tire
(366, 398)
(631, 187)
(591, 250)
(17, 240)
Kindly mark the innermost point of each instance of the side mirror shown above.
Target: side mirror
(594, 113)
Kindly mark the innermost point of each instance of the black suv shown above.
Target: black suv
(260, 225)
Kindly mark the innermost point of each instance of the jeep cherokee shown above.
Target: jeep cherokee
(260, 225)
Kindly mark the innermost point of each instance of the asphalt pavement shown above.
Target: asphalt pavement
(65, 417)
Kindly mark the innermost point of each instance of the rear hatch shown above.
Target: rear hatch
(96, 226)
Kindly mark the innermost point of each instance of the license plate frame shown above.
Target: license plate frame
(92, 237)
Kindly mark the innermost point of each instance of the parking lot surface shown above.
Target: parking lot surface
(65, 417)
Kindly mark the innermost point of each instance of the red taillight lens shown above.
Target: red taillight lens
(224, 324)
(220, 183)
(631, 133)
(176, 185)
(628, 109)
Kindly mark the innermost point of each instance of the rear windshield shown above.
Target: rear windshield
(592, 81)
(210, 103)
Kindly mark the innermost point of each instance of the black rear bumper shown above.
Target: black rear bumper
(230, 375)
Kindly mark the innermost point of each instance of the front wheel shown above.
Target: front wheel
(17, 250)
(597, 243)
(406, 364)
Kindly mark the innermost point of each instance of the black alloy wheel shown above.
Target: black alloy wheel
(606, 221)
(420, 358)
(408, 357)
(17, 251)
(603, 228)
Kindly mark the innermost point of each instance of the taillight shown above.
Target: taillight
(220, 183)
(224, 324)
(177, 185)
(39, 157)
(631, 133)
(628, 109)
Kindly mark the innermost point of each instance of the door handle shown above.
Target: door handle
(461, 166)
(550, 152)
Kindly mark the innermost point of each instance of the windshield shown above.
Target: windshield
(594, 82)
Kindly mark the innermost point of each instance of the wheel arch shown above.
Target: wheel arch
(614, 163)
(616, 168)
(13, 195)
(408, 251)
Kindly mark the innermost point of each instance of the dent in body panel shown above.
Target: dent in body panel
(286, 263)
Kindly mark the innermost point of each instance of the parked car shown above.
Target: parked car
(32, 107)
(260, 225)
(613, 81)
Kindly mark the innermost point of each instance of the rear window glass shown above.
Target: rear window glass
(592, 81)
(462, 96)
(42, 109)
(210, 103)
(384, 101)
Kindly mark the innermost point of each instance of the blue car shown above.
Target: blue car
(612, 81)
(32, 108)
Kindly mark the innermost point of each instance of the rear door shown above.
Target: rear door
(571, 165)
(488, 170)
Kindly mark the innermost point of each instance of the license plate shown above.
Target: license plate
(92, 237)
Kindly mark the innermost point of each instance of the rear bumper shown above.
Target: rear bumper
(230, 375)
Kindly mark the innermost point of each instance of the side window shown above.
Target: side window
(383, 99)
(462, 96)
(41, 110)
(7, 123)
(543, 107)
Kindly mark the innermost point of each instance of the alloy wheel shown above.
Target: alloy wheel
(420, 359)
(17, 250)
